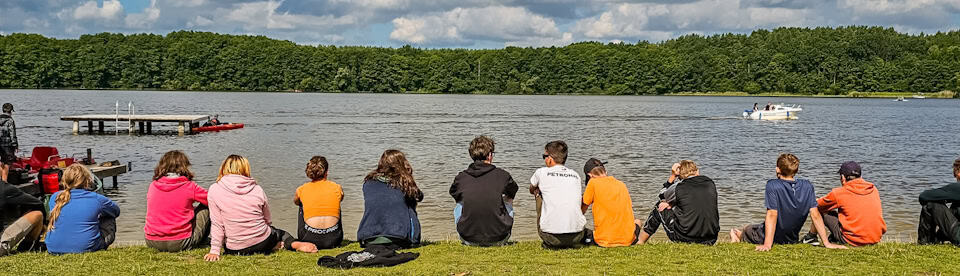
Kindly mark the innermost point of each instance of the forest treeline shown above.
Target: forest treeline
(790, 60)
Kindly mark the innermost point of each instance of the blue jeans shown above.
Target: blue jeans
(458, 210)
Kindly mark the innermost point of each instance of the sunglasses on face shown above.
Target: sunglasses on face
(545, 156)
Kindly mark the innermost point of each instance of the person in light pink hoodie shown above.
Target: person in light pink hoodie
(173, 223)
(240, 216)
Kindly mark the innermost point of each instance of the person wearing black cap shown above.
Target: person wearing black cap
(613, 220)
(8, 141)
(852, 212)
(687, 208)
(484, 196)
(938, 221)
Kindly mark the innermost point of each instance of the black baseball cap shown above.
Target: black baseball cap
(592, 163)
(849, 168)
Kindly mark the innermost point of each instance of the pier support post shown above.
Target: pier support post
(90, 127)
(149, 127)
(100, 127)
(130, 128)
(141, 127)
(76, 127)
(180, 129)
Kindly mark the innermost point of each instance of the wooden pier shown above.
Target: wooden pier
(185, 122)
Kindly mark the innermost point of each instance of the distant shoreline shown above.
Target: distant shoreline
(892, 95)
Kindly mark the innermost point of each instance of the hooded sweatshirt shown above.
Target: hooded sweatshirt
(695, 206)
(14, 203)
(8, 131)
(170, 208)
(860, 213)
(480, 189)
(239, 214)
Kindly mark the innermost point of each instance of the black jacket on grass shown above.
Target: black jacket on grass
(696, 210)
(480, 188)
(14, 203)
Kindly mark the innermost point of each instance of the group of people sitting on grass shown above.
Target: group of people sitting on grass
(233, 216)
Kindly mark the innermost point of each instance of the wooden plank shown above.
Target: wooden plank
(104, 172)
(139, 118)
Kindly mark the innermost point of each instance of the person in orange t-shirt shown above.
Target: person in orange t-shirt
(613, 221)
(852, 213)
(319, 200)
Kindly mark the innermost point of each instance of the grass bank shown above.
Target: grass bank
(523, 258)
(944, 94)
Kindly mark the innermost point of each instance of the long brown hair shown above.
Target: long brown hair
(234, 164)
(173, 161)
(394, 165)
(75, 176)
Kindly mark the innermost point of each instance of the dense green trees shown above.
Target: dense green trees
(792, 60)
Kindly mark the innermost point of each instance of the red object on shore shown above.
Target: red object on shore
(218, 128)
(44, 158)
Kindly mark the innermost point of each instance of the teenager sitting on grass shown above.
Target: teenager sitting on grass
(21, 220)
(80, 220)
(938, 221)
(788, 200)
(319, 201)
(173, 223)
(852, 212)
(390, 197)
(687, 208)
(613, 221)
(560, 221)
(484, 196)
(240, 215)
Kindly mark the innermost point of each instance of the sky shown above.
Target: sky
(466, 23)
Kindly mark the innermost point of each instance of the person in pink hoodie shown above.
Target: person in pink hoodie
(173, 223)
(240, 216)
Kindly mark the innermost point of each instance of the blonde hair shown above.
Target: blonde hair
(687, 169)
(234, 164)
(75, 176)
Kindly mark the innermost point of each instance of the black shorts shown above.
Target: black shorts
(8, 155)
(323, 238)
(754, 233)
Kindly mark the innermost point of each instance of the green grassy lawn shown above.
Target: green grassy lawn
(524, 258)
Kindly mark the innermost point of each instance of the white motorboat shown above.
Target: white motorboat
(776, 112)
(919, 96)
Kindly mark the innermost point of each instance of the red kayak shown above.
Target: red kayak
(218, 128)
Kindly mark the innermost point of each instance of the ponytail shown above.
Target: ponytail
(62, 199)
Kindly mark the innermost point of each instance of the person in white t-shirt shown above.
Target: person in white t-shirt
(560, 222)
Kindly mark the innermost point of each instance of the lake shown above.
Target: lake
(903, 147)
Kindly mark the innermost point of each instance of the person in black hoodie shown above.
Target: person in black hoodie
(938, 221)
(687, 208)
(21, 220)
(484, 196)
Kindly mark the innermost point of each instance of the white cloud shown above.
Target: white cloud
(111, 10)
(145, 19)
(264, 16)
(465, 25)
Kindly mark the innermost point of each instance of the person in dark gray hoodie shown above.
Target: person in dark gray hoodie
(484, 196)
(8, 141)
(21, 220)
(940, 214)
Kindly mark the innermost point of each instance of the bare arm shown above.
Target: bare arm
(822, 230)
(584, 207)
(769, 229)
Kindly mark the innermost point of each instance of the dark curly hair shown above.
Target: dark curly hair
(317, 168)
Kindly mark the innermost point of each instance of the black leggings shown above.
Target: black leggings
(268, 244)
(323, 238)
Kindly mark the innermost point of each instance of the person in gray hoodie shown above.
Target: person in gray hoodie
(484, 196)
(8, 141)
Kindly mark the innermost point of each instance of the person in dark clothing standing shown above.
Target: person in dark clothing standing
(21, 220)
(484, 196)
(687, 209)
(8, 141)
(938, 221)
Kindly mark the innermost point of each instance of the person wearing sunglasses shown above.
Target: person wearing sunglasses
(560, 222)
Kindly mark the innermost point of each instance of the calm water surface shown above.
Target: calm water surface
(904, 147)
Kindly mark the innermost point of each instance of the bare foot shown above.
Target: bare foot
(304, 247)
(734, 235)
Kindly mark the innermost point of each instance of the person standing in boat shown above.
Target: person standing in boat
(756, 107)
(769, 106)
(8, 141)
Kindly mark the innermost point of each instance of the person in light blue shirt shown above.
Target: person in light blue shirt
(80, 220)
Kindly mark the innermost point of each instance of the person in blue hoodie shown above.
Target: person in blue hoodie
(390, 198)
(80, 220)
